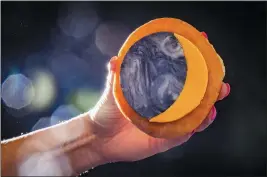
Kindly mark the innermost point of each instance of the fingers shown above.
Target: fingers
(111, 69)
(225, 91)
(105, 109)
(225, 86)
(168, 144)
(204, 34)
(112, 64)
(210, 118)
(108, 92)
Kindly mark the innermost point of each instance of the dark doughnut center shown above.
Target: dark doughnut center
(153, 74)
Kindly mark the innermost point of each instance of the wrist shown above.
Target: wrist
(70, 147)
(84, 152)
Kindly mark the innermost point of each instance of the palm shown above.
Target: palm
(130, 144)
(123, 140)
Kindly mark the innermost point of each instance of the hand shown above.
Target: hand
(123, 141)
(103, 135)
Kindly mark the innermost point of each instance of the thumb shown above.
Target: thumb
(106, 108)
(110, 78)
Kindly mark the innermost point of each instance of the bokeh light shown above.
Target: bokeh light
(84, 99)
(70, 70)
(45, 90)
(43, 122)
(77, 20)
(35, 60)
(110, 36)
(63, 113)
(64, 133)
(17, 91)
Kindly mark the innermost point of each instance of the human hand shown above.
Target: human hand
(123, 141)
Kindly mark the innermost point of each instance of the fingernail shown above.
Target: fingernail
(214, 113)
(228, 89)
(204, 34)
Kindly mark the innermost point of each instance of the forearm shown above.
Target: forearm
(64, 143)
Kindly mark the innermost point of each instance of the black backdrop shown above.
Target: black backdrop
(235, 144)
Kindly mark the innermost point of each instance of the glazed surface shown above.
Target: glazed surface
(153, 74)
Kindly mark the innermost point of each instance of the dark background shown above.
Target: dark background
(235, 144)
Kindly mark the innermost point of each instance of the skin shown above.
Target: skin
(104, 136)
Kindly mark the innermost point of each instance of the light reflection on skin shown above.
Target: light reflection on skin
(45, 164)
(50, 162)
